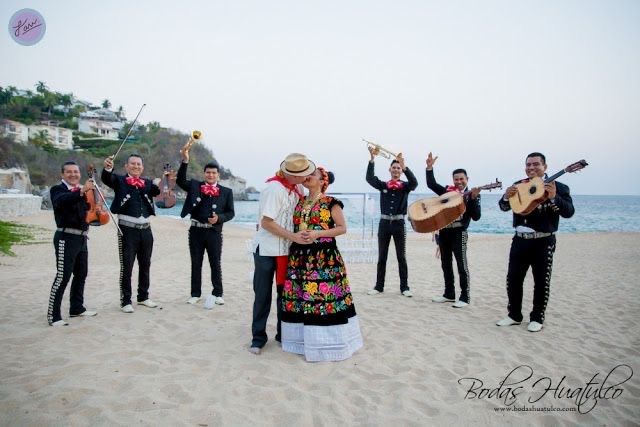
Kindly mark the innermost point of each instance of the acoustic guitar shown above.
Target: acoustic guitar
(434, 213)
(531, 194)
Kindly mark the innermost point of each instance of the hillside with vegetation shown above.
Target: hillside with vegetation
(157, 145)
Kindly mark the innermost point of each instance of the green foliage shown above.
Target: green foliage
(156, 150)
(154, 143)
(11, 234)
(41, 87)
(43, 166)
(41, 138)
(163, 146)
(32, 107)
(69, 123)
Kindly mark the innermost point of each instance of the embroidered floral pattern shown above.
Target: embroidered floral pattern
(317, 283)
(314, 215)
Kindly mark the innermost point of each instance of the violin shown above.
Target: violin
(97, 214)
(167, 197)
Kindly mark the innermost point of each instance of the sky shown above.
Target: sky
(479, 83)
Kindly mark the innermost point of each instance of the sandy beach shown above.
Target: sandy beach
(422, 363)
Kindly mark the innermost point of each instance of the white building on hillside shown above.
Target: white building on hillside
(60, 138)
(102, 122)
(16, 130)
(80, 102)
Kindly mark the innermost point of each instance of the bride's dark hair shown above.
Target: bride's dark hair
(327, 178)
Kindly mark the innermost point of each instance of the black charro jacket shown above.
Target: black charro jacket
(200, 206)
(472, 207)
(392, 202)
(129, 200)
(69, 208)
(546, 217)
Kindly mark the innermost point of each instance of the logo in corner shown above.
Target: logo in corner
(27, 27)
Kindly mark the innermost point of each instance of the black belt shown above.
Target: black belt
(532, 234)
(195, 223)
(73, 231)
(392, 217)
(130, 224)
(454, 225)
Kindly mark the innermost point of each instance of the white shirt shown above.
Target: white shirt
(139, 220)
(69, 186)
(277, 203)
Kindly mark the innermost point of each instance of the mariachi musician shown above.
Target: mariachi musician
(210, 205)
(452, 239)
(534, 244)
(393, 208)
(134, 205)
(70, 243)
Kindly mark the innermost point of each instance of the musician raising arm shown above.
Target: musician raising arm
(453, 238)
(134, 205)
(70, 244)
(210, 205)
(393, 208)
(534, 244)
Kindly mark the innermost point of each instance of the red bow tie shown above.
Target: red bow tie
(209, 190)
(286, 184)
(394, 184)
(451, 188)
(75, 189)
(136, 182)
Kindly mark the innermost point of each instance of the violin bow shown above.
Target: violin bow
(115, 222)
(104, 201)
(128, 133)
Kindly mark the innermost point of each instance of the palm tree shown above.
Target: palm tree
(41, 139)
(18, 101)
(5, 96)
(66, 100)
(50, 101)
(106, 103)
(41, 87)
(153, 126)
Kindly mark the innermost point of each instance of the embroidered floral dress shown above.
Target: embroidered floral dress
(318, 315)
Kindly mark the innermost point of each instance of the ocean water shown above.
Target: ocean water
(593, 214)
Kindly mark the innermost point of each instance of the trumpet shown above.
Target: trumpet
(379, 149)
(195, 136)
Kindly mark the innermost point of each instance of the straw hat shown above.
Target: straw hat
(297, 164)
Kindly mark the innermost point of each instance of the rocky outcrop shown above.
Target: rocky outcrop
(237, 185)
(16, 180)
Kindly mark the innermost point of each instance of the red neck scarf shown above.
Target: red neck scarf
(72, 188)
(209, 190)
(135, 182)
(451, 188)
(286, 184)
(394, 184)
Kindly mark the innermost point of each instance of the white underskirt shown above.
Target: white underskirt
(322, 343)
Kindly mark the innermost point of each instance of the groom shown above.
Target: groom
(273, 238)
